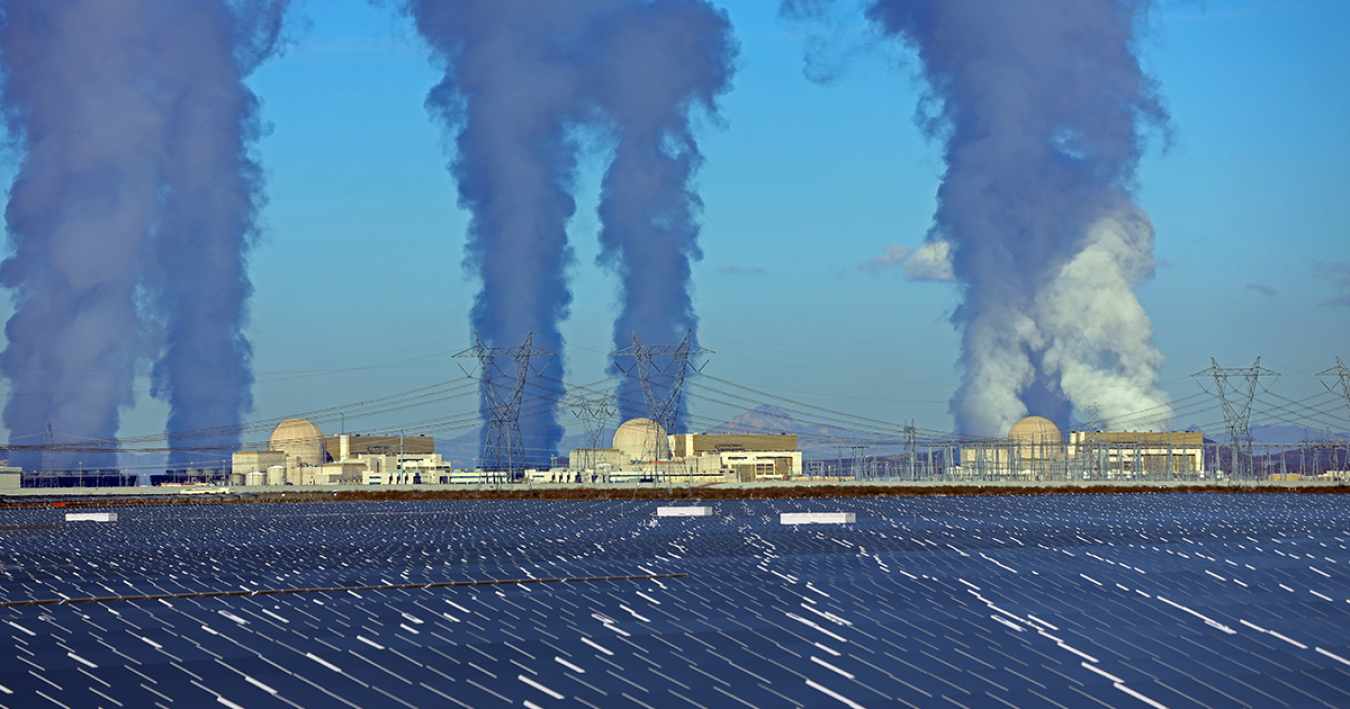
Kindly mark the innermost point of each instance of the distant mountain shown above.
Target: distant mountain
(464, 450)
(1293, 434)
(1281, 435)
(460, 450)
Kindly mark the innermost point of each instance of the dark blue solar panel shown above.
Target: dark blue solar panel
(1118, 601)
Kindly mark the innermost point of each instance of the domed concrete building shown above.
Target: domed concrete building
(1034, 449)
(1037, 438)
(642, 440)
(299, 439)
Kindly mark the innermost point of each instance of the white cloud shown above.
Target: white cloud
(893, 256)
(930, 262)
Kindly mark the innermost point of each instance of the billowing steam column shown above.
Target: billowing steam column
(1039, 105)
(520, 77)
(132, 210)
(660, 63)
(512, 91)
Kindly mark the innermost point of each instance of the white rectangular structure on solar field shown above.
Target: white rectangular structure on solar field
(91, 516)
(684, 511)
(817, 518)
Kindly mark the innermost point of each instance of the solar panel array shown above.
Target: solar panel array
(1070, 601)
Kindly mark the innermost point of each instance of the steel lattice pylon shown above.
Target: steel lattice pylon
(594, 409)
(1342, 374)
(1237, 406)
(502, 372)
(1090, 464)
(660, 370)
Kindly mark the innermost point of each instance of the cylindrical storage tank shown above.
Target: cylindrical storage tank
(255, 478)
(236, 478)
(276, 475)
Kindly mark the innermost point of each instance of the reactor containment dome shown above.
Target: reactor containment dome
(301, 439)
(641, 440)
(1037, 437)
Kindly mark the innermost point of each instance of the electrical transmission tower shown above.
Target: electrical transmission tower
(1092, 436)
(660, 370)
(1236, 399)
(859, 462)
(502, 372)
(1342, 374)
(594, 409)
(911, 446)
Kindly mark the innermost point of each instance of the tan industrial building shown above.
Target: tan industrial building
(1128, 454)
(343, 447)
(750, 456)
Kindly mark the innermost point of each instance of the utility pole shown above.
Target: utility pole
(502, 372)
(1236, 399)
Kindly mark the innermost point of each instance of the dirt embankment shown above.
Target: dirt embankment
(657, 493)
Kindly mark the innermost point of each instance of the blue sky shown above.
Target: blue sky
(360, 292)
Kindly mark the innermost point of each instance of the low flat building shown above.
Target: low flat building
(1130, 454)
(742, 457)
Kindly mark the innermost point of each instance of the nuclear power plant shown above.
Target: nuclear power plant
(753, 447)
(641, 451)
(298, 453)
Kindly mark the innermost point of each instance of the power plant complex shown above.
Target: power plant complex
(298, 453)
(763, 445)
(1035, 449)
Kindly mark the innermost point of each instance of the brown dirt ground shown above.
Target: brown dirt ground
(696, 493)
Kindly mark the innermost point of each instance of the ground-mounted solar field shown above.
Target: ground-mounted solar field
(1174, 600)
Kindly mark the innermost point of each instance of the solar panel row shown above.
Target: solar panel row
(1117, 601)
